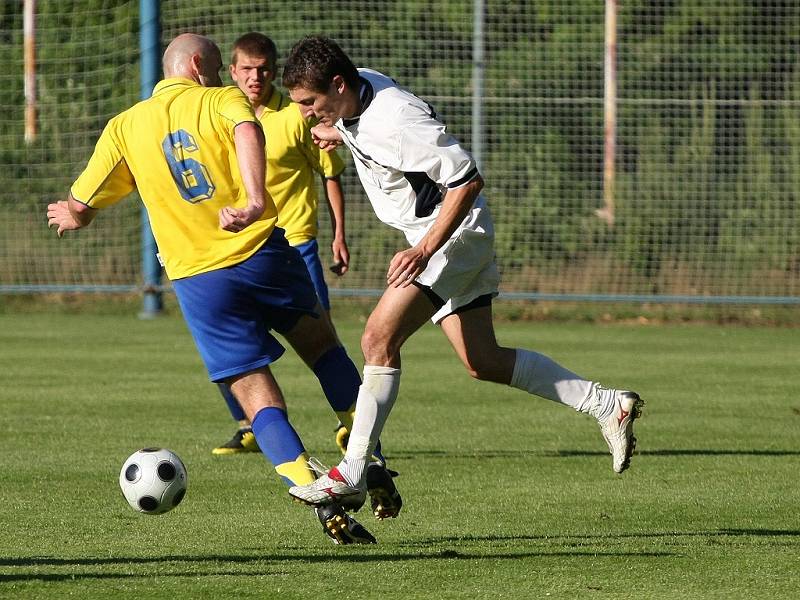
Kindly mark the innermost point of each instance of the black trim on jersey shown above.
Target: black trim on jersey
(363, 156)
(428, 193)
(366, 94)
(465, 179)
(169, 85)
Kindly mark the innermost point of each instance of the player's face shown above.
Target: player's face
(328, 107)
(253, 76)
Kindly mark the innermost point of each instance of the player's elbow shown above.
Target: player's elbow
(248, 132)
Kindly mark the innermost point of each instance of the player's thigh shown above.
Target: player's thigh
(311, 337)
(399, 313)
(277, 285)
(310, 253)
(471, 333)
(228, 334)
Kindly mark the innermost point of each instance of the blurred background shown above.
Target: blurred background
(647, 151)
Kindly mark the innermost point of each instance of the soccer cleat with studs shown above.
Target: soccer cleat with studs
(329, 488)
(617, 428)
(385, 500)
(341, 527)
(242, 441)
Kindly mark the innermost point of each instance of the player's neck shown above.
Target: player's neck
(259, 105)
(354, 105)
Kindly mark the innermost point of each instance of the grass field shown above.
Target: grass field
(506, 495)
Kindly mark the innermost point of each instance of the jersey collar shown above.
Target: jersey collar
(365, 96)
(173, 81)
(275, 102)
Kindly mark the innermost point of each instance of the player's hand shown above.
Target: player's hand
(237, 219)
(59, 215)
(327, 138)
(341, 257)
(405, 267)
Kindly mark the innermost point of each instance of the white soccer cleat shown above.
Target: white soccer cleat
(330, 488)
(618, 428)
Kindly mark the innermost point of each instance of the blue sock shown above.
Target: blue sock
(339, 378)
(282, 446)
(233, 404)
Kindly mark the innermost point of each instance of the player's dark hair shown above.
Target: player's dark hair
(257, 45)
(314, 61)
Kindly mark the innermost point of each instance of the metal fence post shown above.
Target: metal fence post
(150, 44)
(478, 67)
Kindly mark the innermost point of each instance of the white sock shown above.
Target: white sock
(537, 374)
(376, 397)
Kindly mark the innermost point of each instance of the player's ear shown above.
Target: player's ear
(339, 84)
(196, 62)
(232, 70)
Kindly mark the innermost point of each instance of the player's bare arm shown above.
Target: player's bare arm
(69, 215)
(326, 137)
(334, 194)
(249, 140)
(456, 204)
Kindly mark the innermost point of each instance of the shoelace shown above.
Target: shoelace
(316, 465)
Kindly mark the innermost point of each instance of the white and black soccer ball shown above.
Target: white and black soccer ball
(153, 480)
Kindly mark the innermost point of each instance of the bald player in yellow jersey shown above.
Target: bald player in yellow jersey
(195, 152)
(294, 164)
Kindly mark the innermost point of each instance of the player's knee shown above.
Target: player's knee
(376, 347)
(482, 368)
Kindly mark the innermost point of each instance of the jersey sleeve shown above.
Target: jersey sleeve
(235, 108)
(426, 147)
(106, 179)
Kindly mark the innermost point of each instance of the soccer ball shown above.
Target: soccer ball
(153, 480)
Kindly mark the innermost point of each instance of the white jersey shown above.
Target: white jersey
(406, 162)
(405, 158)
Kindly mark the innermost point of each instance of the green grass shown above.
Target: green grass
(506, 495)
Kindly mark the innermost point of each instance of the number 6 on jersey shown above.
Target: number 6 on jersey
(191, 176)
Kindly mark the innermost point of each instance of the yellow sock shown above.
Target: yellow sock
(296, 472)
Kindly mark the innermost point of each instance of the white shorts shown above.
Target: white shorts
(464, 269)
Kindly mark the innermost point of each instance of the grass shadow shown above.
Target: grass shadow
(408, 455)
(551, 538)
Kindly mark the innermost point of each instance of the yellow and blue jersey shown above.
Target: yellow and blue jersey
(177, 148)
(294, 162)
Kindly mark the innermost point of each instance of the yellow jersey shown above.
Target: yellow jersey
(294, 162)
(177, 148)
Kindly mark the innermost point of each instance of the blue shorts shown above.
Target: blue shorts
(230, 311)
(310, 253)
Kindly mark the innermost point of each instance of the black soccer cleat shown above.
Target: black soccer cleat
(341, 527)
(384, 497)
(242, 441)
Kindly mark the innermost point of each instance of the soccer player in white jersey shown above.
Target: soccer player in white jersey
(421, 181)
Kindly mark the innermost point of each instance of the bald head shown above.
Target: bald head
(194, 57)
